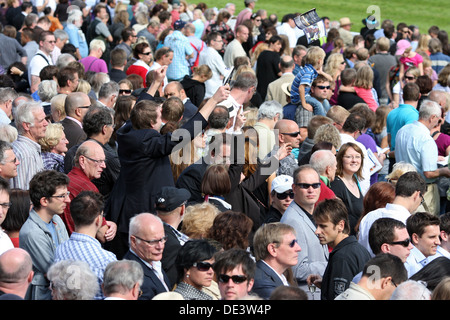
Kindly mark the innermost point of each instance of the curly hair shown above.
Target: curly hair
(231, 229)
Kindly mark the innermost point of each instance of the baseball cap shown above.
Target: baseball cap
(179, 24)
(282, 183)
(170, 198)
(401, 46)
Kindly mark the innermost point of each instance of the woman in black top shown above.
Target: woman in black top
(267, 65)
(350, 161)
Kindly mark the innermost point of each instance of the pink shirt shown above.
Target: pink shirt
(367, 96)
(411, 61)
(94, 64)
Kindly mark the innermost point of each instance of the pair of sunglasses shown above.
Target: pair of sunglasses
(284, 195)
(404, 243)
(122, 91)
(237, 279)
(308, 185)
(202, 266)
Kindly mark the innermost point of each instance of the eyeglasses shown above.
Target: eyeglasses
(284, 195)
(292, 134)
(352, 157)
(6, 205)
(323, 87)
(393, 283)
(62, 197)
(153, 243)
(292, 243)
(202, 266)
(258, 20)
(422, 199)
(343, 62)
(146, 53)
(405, 243)
(219, 40)
(85, 107)
(94, 160)
(51, 41)
(410, 77)
(237, 279)
(11, 161)
(308, 185)
(122, 91)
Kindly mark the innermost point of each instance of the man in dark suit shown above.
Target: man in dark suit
(118, 63)
(76, 106)
(147, 241)
(175, 89)
(276, 250)
(17, 274)
(170, 208)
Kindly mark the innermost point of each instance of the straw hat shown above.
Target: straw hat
(345, 22)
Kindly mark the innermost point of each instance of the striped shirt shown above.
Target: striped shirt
(305, 76)
(82, 247)
(53, 161)
(28, 153)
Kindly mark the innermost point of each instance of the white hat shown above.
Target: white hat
(282, 183)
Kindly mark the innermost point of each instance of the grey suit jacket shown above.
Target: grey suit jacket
(313, 258)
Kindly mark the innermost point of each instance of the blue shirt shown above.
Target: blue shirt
(305, 76)
(399, 117)
(78, 39)
(181, 47)
(439, 61)
(416, 146)
(85, 248)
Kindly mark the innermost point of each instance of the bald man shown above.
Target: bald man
(288, 133)
(16, 274)
(76, 106)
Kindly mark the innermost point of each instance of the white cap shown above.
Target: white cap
(282, 183)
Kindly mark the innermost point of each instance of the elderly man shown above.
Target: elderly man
(89, 165)
(44, 230)
(268, 115)
(324, 162)
(313, 258)
(7, 96)
(41, 59)
(235, 271)
(276, 250)
(147, 240)
(170, 208)
(76, 106)
(344, 30)
(16, 274)
(8, 161)
(86, 210)
(414, 144)
(31, 125)
(122, 280)
(274, 90)
(108, 93)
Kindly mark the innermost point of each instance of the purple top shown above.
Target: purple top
(442, 142)
(94, 64)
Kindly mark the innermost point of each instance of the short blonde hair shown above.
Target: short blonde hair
(57, 103)
(84, 86)
(97, 44)
(53, 135)
(314, 55)
(198, 219)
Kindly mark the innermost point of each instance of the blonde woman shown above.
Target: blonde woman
(58, 111)
(54, 147)
(334, 66)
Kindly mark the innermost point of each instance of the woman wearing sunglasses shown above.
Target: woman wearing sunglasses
(142, 54)
(281, 195)
(194, 265)
(350, 159)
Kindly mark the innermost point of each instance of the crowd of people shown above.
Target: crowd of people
(173, 151)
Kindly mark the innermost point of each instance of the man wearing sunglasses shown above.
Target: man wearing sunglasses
(235, 271)
(409, 191)
(313, 258)
(288, 134)
(281, 195)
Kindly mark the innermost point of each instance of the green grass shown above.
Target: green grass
(421, 13)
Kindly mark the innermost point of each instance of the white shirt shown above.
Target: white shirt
(281, 276)
(391, 210)
(5, 242)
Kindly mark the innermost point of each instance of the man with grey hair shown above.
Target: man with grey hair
(268, 114)
(274, 91)
(108, 93)
(31, 125)
(411, 290)
(150, 33)
(147, 240)
(7, 96)
(8, 161)
(76, 106)
(414, 144)
(122, 280)
(61, 38)
(324, 162)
